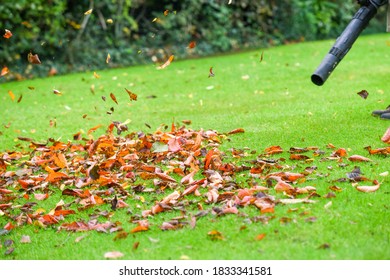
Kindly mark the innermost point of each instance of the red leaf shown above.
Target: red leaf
(9, 226)
(191, 45)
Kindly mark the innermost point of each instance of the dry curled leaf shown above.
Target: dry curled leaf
(363, 94)
(132, 95)
(211, 73)
(113, 255)
(4, 71)
(368, 189)
(386, 137)
(33, 58)
(7, 34)
(166, 64)
(358, 158)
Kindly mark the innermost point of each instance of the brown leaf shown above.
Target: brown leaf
(237, 130)
(33, 59)
(363, 94)
(132, 95)
(211, 73)
(215, 235)
(191, 45)
(113, 98)
(358, 158)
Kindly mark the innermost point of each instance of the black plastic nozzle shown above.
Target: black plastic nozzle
(345, 41)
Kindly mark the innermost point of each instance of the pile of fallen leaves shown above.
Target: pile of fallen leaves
(183, 166)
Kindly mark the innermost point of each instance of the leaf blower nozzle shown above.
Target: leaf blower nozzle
(345, 41)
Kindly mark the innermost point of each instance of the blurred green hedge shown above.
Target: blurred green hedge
(143, 31)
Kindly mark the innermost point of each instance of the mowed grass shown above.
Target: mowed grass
(273, 100)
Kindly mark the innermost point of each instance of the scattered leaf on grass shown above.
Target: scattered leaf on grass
(386, 137)
(25, 239)
(363, 94)
(215, 235)
(367, 189)
(113, 98)
(260, 236)
(132, 96)
(324, 246)
(211, 72)
(261, 56)
(358, 158)
(113, 255)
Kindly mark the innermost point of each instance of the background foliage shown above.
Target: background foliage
(140, 32)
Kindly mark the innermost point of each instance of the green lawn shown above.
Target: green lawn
(273, 100)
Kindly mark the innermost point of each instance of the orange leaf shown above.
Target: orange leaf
(260, 236)
(56, 176)
(63, 212)
(132, 95)
(11, 94)
(170, 59)
(273, 150)
(139, 228)
(93, 129)
(60, 160)
(4, 71)
(208, 159)
(7, 34)
(298, 157)
(340, 152)
(9, 226)
(113, 98)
